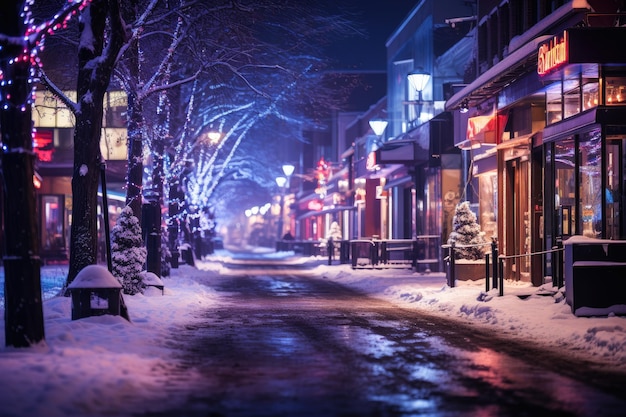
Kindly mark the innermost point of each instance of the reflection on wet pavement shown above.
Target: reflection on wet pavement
(298, 346)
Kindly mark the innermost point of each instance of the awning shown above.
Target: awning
(569, 125)
(483, 128)
(516, 147)
(401, 152)
(497, 77)
(325, 211)
(488, 163)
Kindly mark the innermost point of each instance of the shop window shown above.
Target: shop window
(590, 178)
(565, 186)
(482, 46)
(615, 91)
(53, 238)
(115, 107)
(590, 95)
(488, 204)
(492, 24)
(43, 144)
(554, 110)
(571, 98)
(48, 111)
(113, 144)
(613, 194)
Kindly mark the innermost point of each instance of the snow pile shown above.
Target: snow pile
(98, 366)
(537, 315)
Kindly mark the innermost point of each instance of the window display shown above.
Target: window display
(590, 179)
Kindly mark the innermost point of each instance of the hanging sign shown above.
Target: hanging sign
(552, 54)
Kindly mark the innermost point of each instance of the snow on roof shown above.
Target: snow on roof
(94, 276)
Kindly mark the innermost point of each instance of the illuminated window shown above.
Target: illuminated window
(554, 109)
(615, 91)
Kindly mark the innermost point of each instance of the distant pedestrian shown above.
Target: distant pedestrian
(288, 235)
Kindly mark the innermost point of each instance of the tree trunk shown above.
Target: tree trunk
(135, 155)
(23, 305)
(94, 75)
(134, 178)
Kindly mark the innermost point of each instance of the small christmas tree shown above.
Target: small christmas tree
(128, 254)
(334, 232)
(466, 231)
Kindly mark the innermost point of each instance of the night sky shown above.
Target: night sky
(379, 19)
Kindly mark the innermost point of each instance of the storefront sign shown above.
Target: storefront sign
(314, 205)
(552, 54)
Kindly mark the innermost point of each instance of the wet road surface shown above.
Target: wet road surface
(280, 344)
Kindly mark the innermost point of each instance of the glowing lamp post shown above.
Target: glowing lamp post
(418, 80)
(378, 126)
(283, 184)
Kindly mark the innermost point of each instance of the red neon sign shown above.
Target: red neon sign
(552, 54)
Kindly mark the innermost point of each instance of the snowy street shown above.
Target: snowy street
(252, 340)
(297, 345)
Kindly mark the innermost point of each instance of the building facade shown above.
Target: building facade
(54, 147)
(544, 137)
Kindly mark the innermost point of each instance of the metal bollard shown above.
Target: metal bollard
(486, 272)
(501, 278)
(557, 264)
(330, 247)
(494, 256)
(451, 272)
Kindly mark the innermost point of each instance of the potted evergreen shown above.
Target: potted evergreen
(468, 261)
(128, 255)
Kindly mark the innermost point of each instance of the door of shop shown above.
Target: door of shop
(516, 223)
(613, 192)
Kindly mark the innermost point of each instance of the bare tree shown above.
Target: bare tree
(276, 78)
(102, 34)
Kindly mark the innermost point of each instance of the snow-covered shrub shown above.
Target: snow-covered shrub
(128, 255)
(466, 231)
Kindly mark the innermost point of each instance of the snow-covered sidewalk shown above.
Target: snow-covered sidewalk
(108, 366)
(539, 316)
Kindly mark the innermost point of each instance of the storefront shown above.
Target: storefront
(425, 186)
(584, 137)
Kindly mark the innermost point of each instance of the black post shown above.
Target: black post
(494, 257)
(344, 252)
(451, 272)
(330, 247)
(151, 218)
(105, 215)
(557, 264)
(501, 277)
(486, 272)
(384, 254)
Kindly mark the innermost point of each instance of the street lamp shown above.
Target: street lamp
(281, 182)
(418, 80)
(288, 170)
(378, 126)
